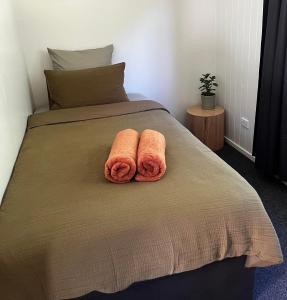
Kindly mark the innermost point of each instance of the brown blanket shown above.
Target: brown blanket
(66, 231)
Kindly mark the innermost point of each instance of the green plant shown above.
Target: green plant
(208, 84)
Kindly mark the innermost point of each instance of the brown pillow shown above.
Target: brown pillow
(93, 86)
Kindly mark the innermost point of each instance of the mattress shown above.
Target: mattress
(65, 231)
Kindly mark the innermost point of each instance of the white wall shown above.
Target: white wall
(14, 95)
(166, 43)
(239, 29)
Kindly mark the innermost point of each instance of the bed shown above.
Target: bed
(66, 232)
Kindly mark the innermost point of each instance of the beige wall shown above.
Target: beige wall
(14, 94)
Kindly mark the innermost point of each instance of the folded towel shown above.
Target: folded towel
(121, 164)
(151, 156)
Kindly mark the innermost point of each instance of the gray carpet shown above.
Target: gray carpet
(271, 283)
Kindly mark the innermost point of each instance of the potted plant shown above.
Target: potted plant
(208, 88)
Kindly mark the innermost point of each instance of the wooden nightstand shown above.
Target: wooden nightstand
(207, 125)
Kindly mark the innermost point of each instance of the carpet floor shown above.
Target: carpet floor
(270, 283)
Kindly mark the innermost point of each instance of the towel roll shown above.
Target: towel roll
(121, 164)
(151, 163)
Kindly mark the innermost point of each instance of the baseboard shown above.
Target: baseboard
(245, 153)
(240, 149)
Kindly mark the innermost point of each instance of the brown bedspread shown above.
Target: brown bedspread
(66, 231)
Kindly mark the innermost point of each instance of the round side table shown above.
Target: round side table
(207, 125)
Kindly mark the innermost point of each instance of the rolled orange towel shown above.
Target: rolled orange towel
(121, 164)
(151, 156)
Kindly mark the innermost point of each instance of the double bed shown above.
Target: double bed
(66, 232)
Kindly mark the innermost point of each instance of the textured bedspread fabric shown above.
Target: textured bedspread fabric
(66, 231)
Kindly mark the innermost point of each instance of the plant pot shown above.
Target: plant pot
(208, 102)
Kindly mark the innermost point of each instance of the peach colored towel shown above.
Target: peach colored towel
(151, 156)
(121, 164)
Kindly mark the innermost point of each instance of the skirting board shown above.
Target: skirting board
(240, 149)
(244, 152)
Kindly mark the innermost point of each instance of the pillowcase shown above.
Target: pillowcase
(82, 59)
(92, 86)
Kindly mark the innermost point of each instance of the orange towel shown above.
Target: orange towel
(151, 156)
(121, 164)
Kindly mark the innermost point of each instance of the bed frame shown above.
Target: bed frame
(225, 280)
